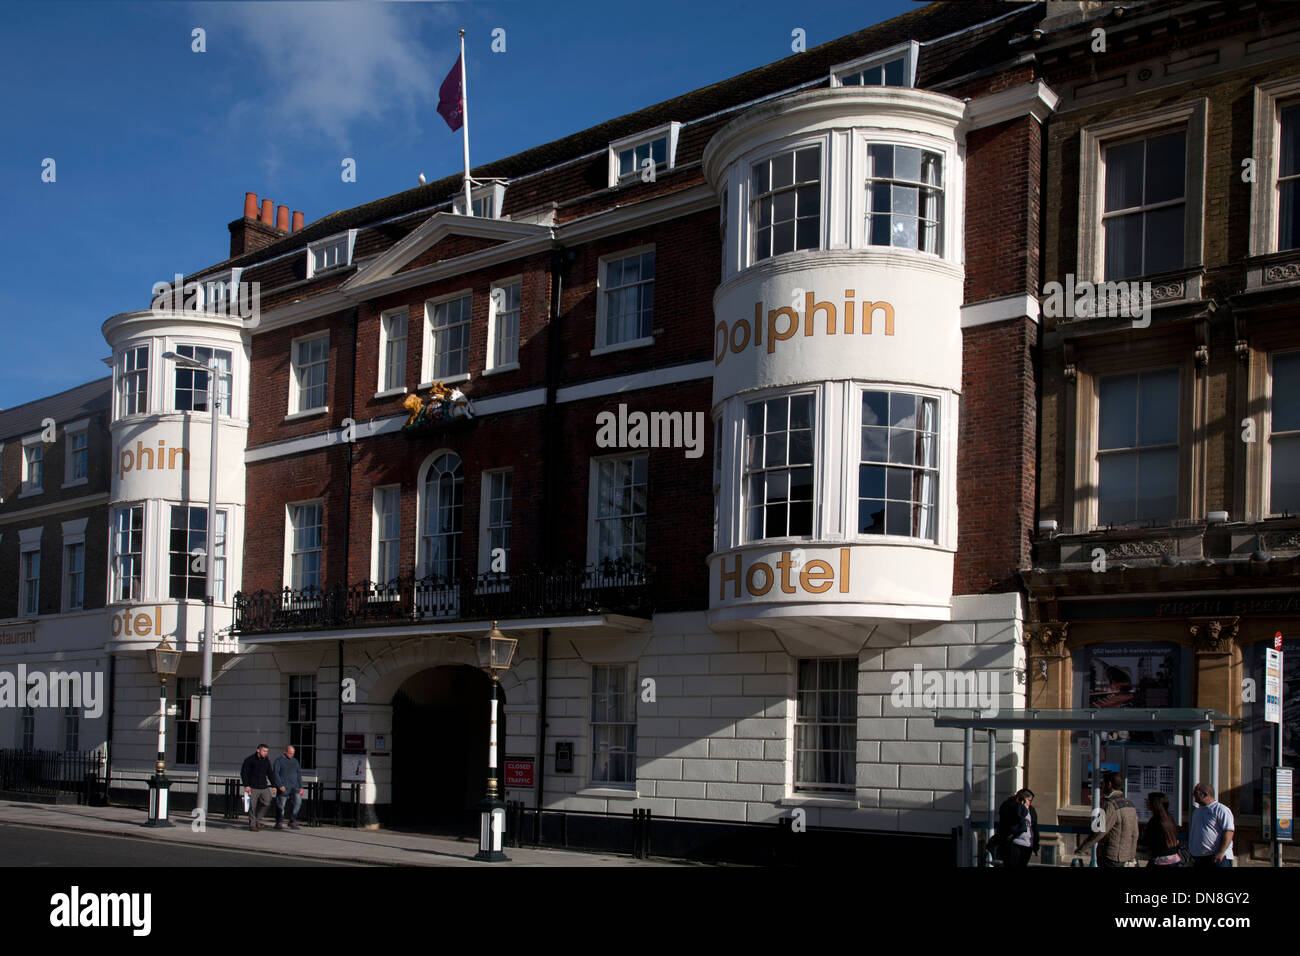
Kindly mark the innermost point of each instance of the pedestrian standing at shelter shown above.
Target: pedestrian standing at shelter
(1160, 838)
(1210, 839)
(1116, 831)
(1016, 839)
(259, 784)
(288, 788)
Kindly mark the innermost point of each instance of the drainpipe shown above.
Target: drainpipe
(558, 260)
(347, 546)
(108, 736)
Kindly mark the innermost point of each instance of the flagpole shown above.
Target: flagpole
(464, 119)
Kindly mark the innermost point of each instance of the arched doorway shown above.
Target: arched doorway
(440, 748)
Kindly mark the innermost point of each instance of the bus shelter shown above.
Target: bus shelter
(1095, 722)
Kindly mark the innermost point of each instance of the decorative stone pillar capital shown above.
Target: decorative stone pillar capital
(1213, 635)
(1047, 638)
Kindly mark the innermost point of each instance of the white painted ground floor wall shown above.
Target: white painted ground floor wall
(717, 742)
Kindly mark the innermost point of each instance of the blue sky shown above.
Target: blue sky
(155, 145)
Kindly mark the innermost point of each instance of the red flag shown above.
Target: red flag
(451, 98)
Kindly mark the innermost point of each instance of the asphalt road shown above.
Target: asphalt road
(37, 846)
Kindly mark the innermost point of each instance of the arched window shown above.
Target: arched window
(442, 494)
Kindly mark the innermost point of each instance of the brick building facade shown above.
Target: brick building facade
(819, 282)
(1166, 556)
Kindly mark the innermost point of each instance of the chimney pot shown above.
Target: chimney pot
(297, 221)
(250, 205)
(268, 212)
(282, 218)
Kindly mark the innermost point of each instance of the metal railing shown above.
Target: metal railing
(615, 587)
(50, 772)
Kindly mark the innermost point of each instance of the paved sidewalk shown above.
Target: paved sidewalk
(364, 847)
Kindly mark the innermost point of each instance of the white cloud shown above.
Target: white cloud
(324, 66)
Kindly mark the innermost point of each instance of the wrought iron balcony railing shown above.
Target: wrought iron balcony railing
(610, 588)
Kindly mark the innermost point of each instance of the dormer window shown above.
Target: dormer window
(486, 200)
(332, 253)
(631, 158)
(893, 67)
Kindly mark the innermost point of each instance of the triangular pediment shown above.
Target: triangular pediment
(444, 236)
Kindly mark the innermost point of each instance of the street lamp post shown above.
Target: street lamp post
(494, 653)
(164, 661)
(209, 592)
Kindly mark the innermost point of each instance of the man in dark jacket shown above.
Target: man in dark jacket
(288, 788)
(1016, 838)
(259, 784)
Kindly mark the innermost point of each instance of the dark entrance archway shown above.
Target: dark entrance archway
(440, 748)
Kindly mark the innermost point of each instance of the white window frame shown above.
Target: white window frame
(429, 356)
(493, 365)
(602, 286)
(142, 374)
(818, 405)
(290, 533)
(1266, 491)
(494, 192)
(749, 198)
(486, 527)
(219, 552)
(345, 239)
(631, 701)
(1270, 99)
(386, 384)
(295, 394)
(77, 428)
(593, 505)
(227, 399)
(821, 786)
(908, 52)
(422, 505)
(1190, 116)
(115, 575)
(869, 179)
(29, 543)
(74, 535)
(33, 452)
(854, 460)
(669, 131)
(377, 541)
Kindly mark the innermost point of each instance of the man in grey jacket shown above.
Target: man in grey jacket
(1116, 831)
(289, 789)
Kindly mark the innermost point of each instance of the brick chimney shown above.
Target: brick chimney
(257, 231)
